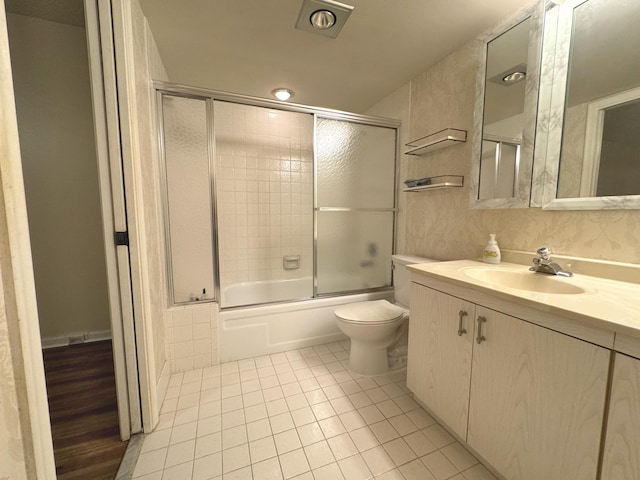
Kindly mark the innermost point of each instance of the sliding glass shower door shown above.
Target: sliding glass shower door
(355, 205)
(269, 205)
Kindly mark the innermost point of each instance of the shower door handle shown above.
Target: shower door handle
(461, 329)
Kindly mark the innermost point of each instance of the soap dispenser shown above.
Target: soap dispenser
(491, 252)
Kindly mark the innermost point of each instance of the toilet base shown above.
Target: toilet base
(398, 358)
(367, 359)
(370, 349)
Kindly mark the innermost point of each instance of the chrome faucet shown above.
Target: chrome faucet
(544, 264)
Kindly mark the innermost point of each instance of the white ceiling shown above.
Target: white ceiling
(251, 46)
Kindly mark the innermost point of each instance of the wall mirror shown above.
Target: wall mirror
(505, 112)
(593, 159)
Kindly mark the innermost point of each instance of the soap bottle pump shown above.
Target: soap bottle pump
(491, 252)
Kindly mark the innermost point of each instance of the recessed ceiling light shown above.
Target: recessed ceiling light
(514, 77)
(322, 19)
(283, 94)
(510, 77)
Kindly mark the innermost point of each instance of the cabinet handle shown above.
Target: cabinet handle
(461, 329)
(480, 338)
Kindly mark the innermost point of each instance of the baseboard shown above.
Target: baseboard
(77, 337)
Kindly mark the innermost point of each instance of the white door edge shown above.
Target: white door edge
(123, 44)
(104, 93)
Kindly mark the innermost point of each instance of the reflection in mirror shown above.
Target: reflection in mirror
(498, 167)
(596, 93)
(618, 172)
(505, 112)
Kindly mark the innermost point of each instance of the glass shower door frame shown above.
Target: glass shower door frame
(160, 93)
(211, 96)
(316, 209)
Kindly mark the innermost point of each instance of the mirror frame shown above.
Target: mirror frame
(522, 186)
(553, 90)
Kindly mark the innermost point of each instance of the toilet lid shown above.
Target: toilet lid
(374, 311)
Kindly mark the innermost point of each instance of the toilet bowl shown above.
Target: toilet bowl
(374, 326)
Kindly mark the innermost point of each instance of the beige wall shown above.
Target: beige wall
(53, 100)
(440, 223)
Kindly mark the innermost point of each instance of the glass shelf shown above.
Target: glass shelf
(442, 181)
(436, 141)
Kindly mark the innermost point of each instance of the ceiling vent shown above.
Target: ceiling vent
(324, 17)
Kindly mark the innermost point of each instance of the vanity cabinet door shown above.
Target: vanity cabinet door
(537, 400)
(622, 442)
(439, 363)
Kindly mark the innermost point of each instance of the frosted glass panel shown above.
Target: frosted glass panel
(355, 164)
(189, 198)
(354, 250)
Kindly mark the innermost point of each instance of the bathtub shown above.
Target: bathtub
(265, 291)
(265, 329)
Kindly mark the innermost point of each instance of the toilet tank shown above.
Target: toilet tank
(402, 276)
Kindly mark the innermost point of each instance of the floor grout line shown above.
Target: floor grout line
(315, 374)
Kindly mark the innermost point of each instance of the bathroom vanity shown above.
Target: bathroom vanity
(539, 375)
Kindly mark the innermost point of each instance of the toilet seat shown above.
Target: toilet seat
(370, 312)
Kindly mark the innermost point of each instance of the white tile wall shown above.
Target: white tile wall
(264, 172)
(192, 337)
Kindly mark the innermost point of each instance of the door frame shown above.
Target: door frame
(35, 428)
(593, 137)
(30, 380)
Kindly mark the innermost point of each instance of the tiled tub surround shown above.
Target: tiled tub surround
(298, 414)
(192, 337)
(264, 168)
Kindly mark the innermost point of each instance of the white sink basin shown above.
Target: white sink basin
(524, 280)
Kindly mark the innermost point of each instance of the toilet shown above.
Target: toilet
(376, 325)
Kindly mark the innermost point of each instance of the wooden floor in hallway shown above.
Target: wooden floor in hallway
(84, 414)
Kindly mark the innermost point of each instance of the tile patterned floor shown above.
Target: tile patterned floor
(298, 415)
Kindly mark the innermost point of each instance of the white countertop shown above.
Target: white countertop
(608, 304)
